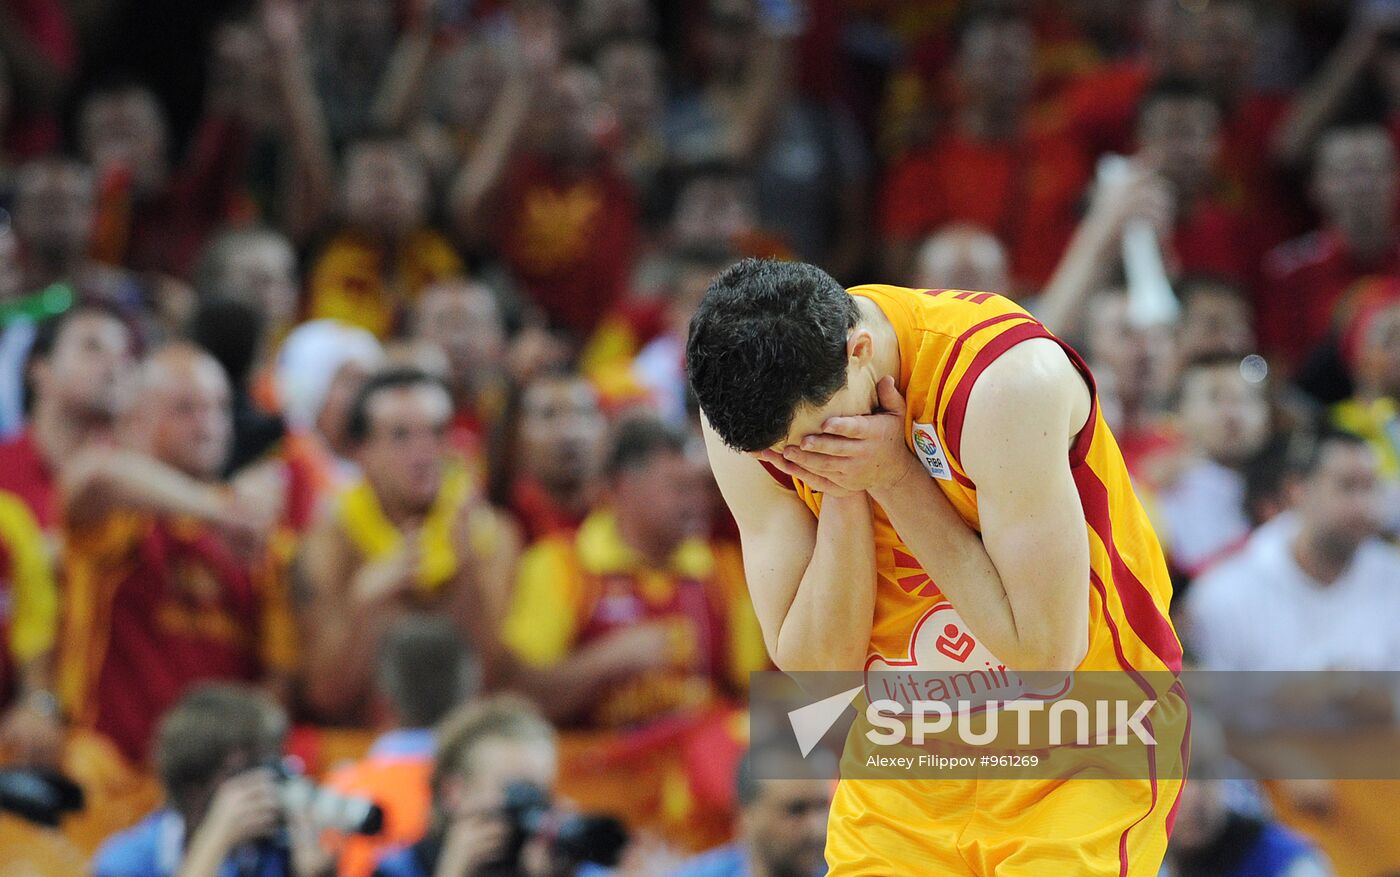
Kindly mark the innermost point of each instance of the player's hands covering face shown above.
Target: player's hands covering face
(853, 454)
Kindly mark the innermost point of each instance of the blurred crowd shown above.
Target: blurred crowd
(348, 453)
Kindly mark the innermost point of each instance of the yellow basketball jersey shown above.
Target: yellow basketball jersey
(947, 337)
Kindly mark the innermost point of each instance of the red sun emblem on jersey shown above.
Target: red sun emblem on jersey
(910, 576)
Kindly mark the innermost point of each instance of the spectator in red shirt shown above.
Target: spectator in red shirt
(168, 576)
(155, 217)
(1355, 186)
(77, 370)
(994, 166)
(1213, 45)
(1220, 54)
(631, 70)
(1179, 137)
(562, 217)
(53, 225)
(374, 266)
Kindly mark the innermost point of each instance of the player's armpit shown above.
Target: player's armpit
(1022, 416)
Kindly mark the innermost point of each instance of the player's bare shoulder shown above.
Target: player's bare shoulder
(1033, 390)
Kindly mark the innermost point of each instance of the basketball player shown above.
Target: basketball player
(894, 456)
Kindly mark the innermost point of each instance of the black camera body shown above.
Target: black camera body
(573, 839)
(38, 795)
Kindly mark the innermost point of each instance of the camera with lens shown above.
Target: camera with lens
(571, 839)
(38, 795)
(326, 809)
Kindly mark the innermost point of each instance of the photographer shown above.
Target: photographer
(224, 813)
(482, 750)
(485, 751)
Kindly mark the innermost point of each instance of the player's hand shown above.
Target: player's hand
(854, 454)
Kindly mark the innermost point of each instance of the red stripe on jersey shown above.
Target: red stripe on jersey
(934, 292)
(778, 475)
(1180, 691)
(1144, 618)
(1080, 449)
(957, 349)
(1152, 776)
(980, 297)
(957, 403)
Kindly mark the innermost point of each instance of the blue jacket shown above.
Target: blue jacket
(155, 845)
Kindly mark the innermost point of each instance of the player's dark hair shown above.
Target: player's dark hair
(768, 337)
(638, 440)
(357, 425)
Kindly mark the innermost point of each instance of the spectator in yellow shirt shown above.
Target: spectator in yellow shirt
(30, 731)
(373, 269)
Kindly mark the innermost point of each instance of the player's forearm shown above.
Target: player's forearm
(954, 557)
(827, 625)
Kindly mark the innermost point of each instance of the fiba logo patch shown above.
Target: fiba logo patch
(930, 452)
